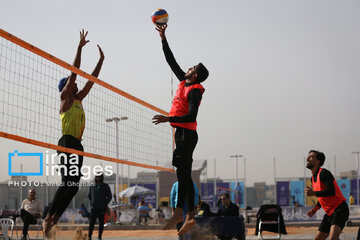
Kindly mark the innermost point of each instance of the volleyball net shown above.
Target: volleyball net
(30, 103)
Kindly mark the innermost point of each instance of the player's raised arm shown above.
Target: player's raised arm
(84, 92)
(70, 82)
(180, 74)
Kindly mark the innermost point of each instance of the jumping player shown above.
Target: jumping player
(182, 117)
(330, 198)
(73, 124)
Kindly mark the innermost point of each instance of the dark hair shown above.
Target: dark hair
(319, 156)
(202, 72)
(227, 195)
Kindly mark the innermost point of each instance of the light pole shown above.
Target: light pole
(245, 183)
(116, 120)
(215, 184)
(237, 173)
(357, 177)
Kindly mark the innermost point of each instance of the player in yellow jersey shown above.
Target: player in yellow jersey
(73, 124)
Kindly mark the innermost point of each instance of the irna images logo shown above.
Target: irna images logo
(34, 165)
(18, 159)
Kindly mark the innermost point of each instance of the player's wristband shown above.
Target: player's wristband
(316, 207)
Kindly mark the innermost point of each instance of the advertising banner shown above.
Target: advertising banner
(237, 194)
(310, 201)
(344, 185)
(207, 193)
(297, 193)
(354, 190)
(282, 191)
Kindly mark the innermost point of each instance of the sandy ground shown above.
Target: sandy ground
(61, 234)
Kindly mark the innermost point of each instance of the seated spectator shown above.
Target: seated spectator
(143, 211)
(31, 210)
(222, 227)
(204, 209)
(227, 208)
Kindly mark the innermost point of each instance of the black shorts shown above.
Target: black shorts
(339, 218)
(72, 142)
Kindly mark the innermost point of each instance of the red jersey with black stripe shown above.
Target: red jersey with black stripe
(180, 105)
(330, 203)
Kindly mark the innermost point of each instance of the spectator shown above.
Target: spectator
(173, 203)
(227, 208)
(220, 226)
(31, 210)
(351, 199)
(143, 211)
(204, 209)
(99, 196)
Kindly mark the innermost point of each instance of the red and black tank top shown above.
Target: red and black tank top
(180, 105)
(329, 204)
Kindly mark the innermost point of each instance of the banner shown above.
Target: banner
(344, 185)
(207, 193)
(282, 191)
(310, 201)
(354, 190)
(297, 193)
(238, 194)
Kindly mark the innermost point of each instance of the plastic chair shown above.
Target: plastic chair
(6, 224)
(270, 219)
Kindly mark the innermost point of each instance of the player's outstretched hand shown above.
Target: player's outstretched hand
(160, 119)
(83, 40)
(161, 29)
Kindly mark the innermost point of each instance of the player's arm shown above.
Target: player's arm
(194, 98)
(77, 61)
(180, 74)
(108, 195)
(314, 210)
(328, 180)
(86, 89)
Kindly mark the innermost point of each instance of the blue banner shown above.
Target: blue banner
(282, 193)
(237, 195)
(297, 193)
(354, 190)
(207, 193)
(344, 185)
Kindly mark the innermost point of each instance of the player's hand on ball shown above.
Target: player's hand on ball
(160, 119)
(161, 29)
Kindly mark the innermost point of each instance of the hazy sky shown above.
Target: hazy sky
(284, 75)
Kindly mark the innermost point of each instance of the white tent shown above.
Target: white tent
(135, 191)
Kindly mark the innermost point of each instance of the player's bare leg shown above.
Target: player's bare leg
(175, 219)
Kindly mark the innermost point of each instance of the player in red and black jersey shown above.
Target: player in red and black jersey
(330, 198)
(182, 117)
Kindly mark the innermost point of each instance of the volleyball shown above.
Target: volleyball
(160, 17)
